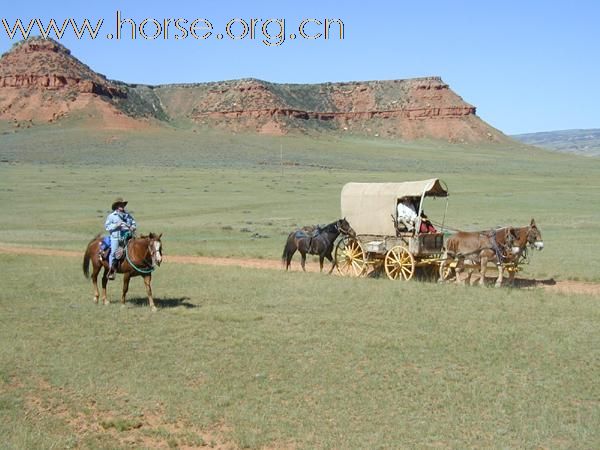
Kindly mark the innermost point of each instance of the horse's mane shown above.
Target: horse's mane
(331, 228)
(150, 236)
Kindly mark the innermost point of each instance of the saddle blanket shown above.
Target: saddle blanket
(105, 249)
(105, 243)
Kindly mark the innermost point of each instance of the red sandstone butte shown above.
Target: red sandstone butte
(41, 80)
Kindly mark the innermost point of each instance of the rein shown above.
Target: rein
(152, 268)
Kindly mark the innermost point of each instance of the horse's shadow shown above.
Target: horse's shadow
(528, 283)
(522, 283)
(169, 302)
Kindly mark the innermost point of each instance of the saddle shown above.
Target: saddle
(104, 252)
(312, 230)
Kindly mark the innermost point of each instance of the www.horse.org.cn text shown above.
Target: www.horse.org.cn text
(270, 32)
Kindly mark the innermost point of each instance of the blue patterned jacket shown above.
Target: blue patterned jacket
(118, 222)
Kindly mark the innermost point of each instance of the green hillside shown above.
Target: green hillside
(224, 194)
(584, 142)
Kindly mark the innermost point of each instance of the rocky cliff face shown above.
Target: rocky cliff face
(41, 80)
(46, 64)
(409, 109)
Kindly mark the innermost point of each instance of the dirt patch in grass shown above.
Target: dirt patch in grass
(561, 286)
(90, 423)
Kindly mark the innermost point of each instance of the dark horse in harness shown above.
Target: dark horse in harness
(143, 255)
(315, 241)
(501, 246)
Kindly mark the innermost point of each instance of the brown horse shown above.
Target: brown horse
(503, 245)
(313, 241)
(142, 256)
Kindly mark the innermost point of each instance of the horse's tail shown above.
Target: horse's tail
(287, 249)
(87, 256)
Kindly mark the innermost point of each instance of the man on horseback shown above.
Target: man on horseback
(120, 225)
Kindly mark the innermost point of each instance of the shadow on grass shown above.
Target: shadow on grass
(522, 283)
(175, 302)
(527, 283)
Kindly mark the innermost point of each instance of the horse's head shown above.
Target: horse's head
(534, 237)
(155, 248)
(344, 228)
(512, 241)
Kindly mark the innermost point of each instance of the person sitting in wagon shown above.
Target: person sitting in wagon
(407, 216)
(426, 225)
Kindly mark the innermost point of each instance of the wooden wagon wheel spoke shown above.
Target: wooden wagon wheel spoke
(349, 257)
(399, 263)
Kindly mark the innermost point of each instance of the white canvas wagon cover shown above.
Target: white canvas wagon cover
(369, 207)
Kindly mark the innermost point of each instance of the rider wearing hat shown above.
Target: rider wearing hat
(117, 223)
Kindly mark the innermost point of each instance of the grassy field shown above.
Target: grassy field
(264, 359)
(215, 194)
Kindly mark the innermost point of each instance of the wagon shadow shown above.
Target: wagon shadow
(168, 302)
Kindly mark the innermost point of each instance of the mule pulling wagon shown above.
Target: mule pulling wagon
(381, 239)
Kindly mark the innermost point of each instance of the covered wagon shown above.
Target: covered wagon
(382, 241)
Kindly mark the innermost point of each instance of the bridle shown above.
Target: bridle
(341, 230)
(154, 261)
(532, 238)
(153, 252)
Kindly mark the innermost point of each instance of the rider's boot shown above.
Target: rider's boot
(112, 273)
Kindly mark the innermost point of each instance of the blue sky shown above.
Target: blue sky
(527, 66)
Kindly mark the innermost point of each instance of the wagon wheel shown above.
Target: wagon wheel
(399, 263)
(446, 271)
(350, 258)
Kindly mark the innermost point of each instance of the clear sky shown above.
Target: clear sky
(527, 65)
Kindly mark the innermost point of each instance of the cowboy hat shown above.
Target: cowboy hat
(118, 201)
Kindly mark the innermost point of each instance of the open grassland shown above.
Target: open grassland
(230, 195)
(250, 358)
(264, 359)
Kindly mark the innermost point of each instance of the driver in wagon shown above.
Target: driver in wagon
(407, 216)
(118, 224)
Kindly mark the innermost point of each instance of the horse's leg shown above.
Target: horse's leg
(126, 278)
(483, 270)
(147, 281)
(458, 270)
(303, 261)
(468, 279)
(104, 283)
(95, 272)
(321, 258)
(500, 278)
(330, 259)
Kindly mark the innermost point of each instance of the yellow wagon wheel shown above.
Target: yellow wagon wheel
(447, 271)
(399, 263)
(350, 258)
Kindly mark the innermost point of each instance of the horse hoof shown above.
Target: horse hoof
(154, 309)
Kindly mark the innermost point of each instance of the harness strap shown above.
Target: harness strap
(496, 248)
(133, 265)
